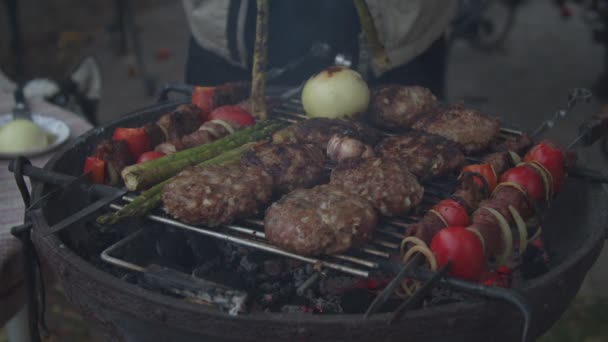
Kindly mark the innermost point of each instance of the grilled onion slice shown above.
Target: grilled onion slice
(521, 228)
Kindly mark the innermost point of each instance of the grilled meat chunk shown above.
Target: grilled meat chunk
(291, 166)
(519, 144)
(154, 133)
(323, 220)
(426, 228)
(116, 156)
(488, 225)
(425, 155)
(185, 119)
(473, 130)
(217, 194)
(391, 189)
(318, 131)
(500, 161)
(206, 133)
(229, 94)
(397, 107)
(469, 192)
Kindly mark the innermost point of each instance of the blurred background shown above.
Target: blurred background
(520, 68)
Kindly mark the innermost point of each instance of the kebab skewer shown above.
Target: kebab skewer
(521, 190)
(136, 144)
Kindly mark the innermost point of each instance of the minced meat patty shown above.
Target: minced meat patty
(217, 194)
(318, 131)
(323, 220)
(471, 129)
(390, 188)
(425, 155)
(291, 166)
(397, 107)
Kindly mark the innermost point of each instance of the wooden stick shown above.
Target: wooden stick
(380, 59)
(258, 82)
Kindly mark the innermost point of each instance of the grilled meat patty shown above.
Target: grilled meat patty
(397, 107)
(390, 188)
(323, 220)
(318, 131)
(473, 130)
(217, 194)
(425, 155)
(291, 166)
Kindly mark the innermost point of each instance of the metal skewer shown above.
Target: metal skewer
(575, 95)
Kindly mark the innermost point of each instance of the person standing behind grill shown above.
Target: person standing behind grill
(412, 31)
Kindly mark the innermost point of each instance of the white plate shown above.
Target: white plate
(57, 130)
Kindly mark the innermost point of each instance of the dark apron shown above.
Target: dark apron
(294, 26)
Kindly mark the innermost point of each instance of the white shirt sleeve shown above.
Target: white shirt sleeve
(408, 27)
(207, 20)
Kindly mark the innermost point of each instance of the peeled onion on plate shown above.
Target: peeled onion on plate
(22, 136)
(335, 92)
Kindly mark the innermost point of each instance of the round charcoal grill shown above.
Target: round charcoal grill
(573, 231)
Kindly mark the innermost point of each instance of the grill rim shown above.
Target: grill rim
(579, 261)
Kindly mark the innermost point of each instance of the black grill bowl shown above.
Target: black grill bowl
(574, 233)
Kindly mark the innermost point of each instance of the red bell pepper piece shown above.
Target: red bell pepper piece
(202, 97)
(95, 167)
(135, 138)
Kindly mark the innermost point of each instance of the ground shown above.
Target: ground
(525, 84)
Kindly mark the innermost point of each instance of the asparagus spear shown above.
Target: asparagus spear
(380, 58)
(258, 83)
(150, 198)
(144, 175)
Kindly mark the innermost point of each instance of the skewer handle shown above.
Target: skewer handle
(595, 128)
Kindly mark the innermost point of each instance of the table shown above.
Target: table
(12, 210)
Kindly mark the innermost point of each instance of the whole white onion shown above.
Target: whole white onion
(335, 92)
(22, 136)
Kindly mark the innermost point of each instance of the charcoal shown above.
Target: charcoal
(294, 309)
(247, 265)
(327, 305)
(535, 262)
(172, 245)
(203, 248)
(301, 273)
(338, 284)
(357, 301)
(273, 268)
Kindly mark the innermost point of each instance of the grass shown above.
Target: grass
(586, 321)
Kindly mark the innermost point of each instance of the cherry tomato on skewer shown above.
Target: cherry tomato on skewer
(452, 212)
(233, 114)
(528, 178)
(551, 158)
(463, 249)
(150, 155)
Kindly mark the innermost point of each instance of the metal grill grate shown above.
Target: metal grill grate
(362, 261)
